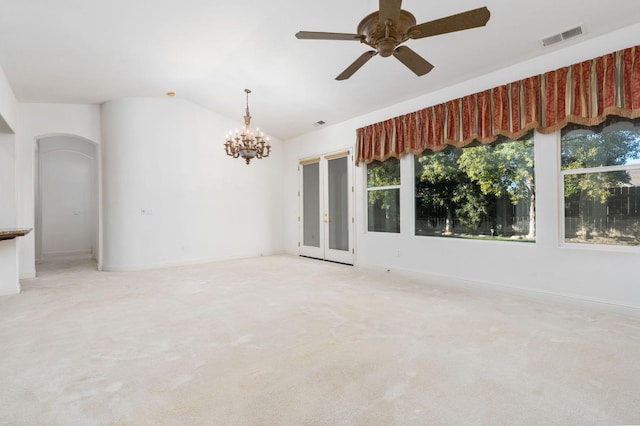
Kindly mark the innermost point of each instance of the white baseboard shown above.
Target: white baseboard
(131, 268)
(9, 292)
(50, 254)
(542, 295)
(25, 275)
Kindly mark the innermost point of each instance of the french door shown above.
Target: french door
(326, 207)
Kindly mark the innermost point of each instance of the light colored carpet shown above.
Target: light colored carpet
(284, 340)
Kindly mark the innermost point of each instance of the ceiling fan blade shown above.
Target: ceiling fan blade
(311, 35)
(389, 9)
(461, 21)
(355, 66)
(412, 60)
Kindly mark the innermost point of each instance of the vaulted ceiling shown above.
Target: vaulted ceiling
(90, 51)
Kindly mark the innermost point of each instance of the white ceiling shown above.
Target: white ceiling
(92, 51)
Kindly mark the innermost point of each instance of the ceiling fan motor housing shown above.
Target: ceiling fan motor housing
(386, 36)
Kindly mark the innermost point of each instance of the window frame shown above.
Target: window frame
(561, 205)
(561, 229)
(534, 169)
(397, 187)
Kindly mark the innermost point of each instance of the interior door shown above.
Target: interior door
(326, 207)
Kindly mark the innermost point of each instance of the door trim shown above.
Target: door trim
(324, 252)
(309, 161)
(337, 155)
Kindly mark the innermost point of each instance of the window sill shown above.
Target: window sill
(601, 247)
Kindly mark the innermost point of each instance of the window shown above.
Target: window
(484, 191)
(383, 196)
(601, 180)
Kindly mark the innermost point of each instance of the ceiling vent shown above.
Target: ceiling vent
(318, 123)
(565, 35)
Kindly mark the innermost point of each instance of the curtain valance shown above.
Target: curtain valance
(584, 93)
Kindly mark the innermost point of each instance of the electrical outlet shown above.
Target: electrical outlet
(146, 212)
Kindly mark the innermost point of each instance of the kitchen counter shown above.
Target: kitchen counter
(11, 233)
(9, 276)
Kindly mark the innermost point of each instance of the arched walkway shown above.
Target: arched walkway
(67, 198)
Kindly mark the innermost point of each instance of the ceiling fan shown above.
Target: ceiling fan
(391, 26)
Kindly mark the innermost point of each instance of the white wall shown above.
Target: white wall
(596, 274)
(7, 154)
(8, 105)
(8, 204)
(165, 156)
(9, 283)
(68, 196)
(36, 121)
(7, 181)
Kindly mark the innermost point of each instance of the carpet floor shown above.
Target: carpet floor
(282, 340)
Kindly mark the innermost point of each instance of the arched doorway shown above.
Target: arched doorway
(67, 198)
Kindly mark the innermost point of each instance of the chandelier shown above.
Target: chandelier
(246, 144)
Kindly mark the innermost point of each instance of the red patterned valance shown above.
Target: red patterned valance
(584, 93)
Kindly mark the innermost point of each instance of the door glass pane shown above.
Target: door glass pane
(338, 204)
(311, 204)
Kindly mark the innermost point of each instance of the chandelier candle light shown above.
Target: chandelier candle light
(246, 144)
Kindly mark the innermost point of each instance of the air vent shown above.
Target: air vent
(318, 123)
(552, 40)
(573, 32)
(565, 35)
